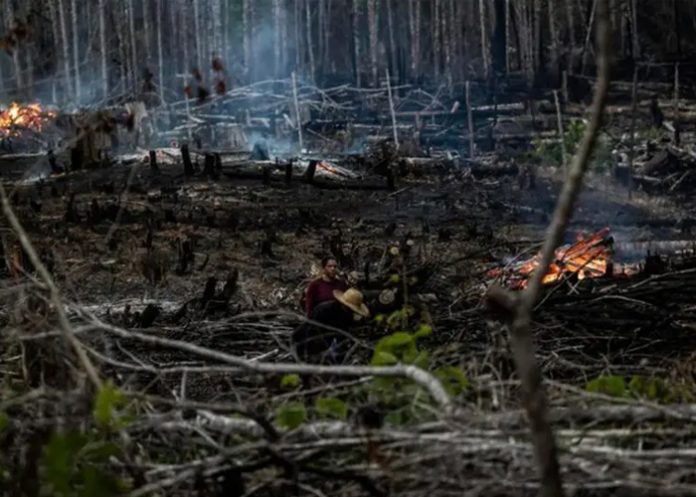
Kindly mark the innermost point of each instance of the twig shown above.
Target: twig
(65, 326)
(416, 374)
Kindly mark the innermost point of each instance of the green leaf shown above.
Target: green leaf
(109, 399)
(379, 318)
(58, 461)
(400, 345)
(614, 386)
(394, 278)
(290, 381)
(424, 330)
(291, 415)
(453, 379)
(331, 407)
(381, 358)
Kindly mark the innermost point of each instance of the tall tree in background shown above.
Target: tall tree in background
(356, 41)
(9, 14)
(247, 14)
(372, 28)
(102, 49)
(64, 45)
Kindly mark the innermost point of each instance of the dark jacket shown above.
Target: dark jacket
(313, 342)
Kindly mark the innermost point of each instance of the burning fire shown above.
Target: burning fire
(17, 117)
(588, 257)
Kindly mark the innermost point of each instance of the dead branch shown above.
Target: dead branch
(533, 396)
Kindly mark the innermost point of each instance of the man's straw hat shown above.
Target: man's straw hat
(352, 299)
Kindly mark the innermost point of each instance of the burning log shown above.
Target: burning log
(589, 257)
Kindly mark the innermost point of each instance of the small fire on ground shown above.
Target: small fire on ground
(589, 257)
(17, 118)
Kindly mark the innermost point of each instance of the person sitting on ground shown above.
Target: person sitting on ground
(325, 337)
(321, 289)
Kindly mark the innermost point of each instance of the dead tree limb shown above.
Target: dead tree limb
(56, 300)
(520, 307)
(423, 378)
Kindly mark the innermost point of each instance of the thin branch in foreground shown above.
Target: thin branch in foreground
(423, 378)
(56, 300)
(519, 308)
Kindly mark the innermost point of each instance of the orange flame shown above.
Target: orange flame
(587, 258)
(17, 117)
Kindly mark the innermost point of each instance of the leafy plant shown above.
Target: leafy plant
(640, 387)
(291, 415)
(331, 407)
(72, 464)
(108, 403)
(290, 381)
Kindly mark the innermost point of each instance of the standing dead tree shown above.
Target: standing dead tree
(518, 308)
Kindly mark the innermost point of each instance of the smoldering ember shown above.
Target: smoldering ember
(347, 247)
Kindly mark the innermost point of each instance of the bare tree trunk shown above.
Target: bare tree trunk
(66, 54)
(393, 53)
(634, 30)
(507, 38)
(133, 44)
(570, 19)
(447, 26)
(197, 35)
(246, 28)
(372, 29)
(102, 49)
(217, 28)
(412, 7)
(277, 36)
(587, 47)
(455, 41)
(553, 46)
(484, 40)
(327, 33)
(356, 41)
(310, 43)
(9, 23)
(437, 45)
(146, 33)
(160, 58)
(184, 39)
(536, 39)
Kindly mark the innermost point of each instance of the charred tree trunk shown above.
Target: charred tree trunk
(414, 11)
(553, 65)
(634, 30)
(76, 50)
(437, 46)
(570, 19)
(310, 42)
(9, 26)
(102, 49)
(160, 58)
(500, 33)
(64, 43)
(133, 44)
(277, 36)
(392, 42)
(197, 35)
(217, 29)
(246, 29)
(372, 28)
(447, 27)
(146, 34)
(356, 41)
(484, 40)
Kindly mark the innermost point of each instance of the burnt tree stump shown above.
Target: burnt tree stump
(186, 157)
(153, 162)
(311, 171)
(288, 172)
